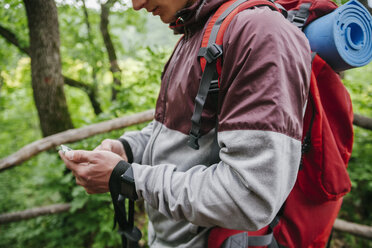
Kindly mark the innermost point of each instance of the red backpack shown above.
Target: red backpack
(307, 217)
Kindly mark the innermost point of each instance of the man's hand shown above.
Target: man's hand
(92, 169)
(114, 146)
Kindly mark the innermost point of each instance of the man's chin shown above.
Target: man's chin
(167, 19)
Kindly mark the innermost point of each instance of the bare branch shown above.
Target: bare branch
(93, 90)
(12, 38)
(77, 84)
(114, 67)
(356, 229)
(362, 121)
(73, 135)
(34, 212)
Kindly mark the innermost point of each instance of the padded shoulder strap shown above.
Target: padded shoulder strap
(210, 56)
(218, 24)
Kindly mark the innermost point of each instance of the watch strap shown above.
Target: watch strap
(115, 178)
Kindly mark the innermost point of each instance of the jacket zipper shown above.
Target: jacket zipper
(164, 102)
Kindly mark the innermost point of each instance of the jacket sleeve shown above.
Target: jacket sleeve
(264, 84)
(135, 142)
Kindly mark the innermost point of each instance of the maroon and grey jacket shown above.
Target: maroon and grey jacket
(249, 152)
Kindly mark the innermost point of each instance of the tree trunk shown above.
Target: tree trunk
(47, 79)
(114, 67)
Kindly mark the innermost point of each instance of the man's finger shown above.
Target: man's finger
(79, 156)
(106, 145)
(97, 148)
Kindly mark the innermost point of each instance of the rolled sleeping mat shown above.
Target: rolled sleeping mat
(343, 38)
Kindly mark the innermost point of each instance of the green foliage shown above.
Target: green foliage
(356, 206)
(141, 80)
(44, 180)
(19, 123)
(13, 17)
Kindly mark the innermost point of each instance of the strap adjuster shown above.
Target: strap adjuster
(211, 53)
(214, 88)
(193, 141)
(299, 17)
(297, 20)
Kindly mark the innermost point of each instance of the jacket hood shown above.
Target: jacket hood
(193, 16)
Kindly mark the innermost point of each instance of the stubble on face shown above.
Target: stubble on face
(166, 9)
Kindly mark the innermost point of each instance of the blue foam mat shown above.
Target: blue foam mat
(343, 38)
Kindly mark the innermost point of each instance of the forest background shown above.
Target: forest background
(107, 63)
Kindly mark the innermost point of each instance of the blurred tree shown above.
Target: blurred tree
(366, 4)
(114, 67)
(93, 62)
(47, 79)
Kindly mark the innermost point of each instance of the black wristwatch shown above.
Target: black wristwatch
(122, 181)
(128, 187)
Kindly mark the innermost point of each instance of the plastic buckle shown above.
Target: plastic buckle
(213, 88)
(306, 145)
(133, 234)
(296, 19)
(299, 21)
(193, 141)
(213, 52)
(299, 17)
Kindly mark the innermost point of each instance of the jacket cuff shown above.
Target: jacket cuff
(127, 149)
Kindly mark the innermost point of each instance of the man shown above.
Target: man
(249, 152)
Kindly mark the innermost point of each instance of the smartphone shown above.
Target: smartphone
(64, 148)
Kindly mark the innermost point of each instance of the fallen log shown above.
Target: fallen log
(339, 225)
(73, 135)
(353, 228)
(34, 212)
(362, 121)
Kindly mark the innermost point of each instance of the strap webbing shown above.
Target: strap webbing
(306, 142)
(207, 77)
(243, 239)
(299, 17)
(211, 54)
(217, 25)
(130, 234)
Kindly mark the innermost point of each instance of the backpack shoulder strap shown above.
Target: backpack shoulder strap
(214, 33)
(210, 55)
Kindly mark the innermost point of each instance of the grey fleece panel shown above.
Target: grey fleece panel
(243, 191)
(138, 141)
(168, 146)
(182, 235)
